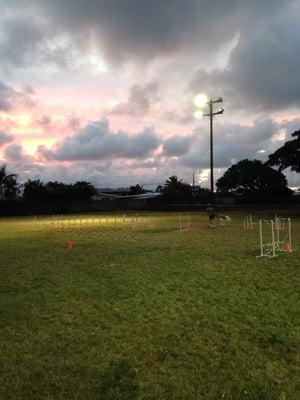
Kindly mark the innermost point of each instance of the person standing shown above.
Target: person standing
(211, 215)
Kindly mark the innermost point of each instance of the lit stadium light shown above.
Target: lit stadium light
(198, 114)
(200, 100)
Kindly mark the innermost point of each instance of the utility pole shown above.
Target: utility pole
(211, 115)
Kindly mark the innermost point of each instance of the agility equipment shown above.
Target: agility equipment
(184, 222)
(283, 234)
(279, 223)
(248, 223)
(267, 248)
(70, 245)
(109, 227)
(271, 240)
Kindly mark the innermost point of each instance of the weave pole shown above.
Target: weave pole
(248, 223)
(267, 249)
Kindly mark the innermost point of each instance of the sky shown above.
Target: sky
(102, 90)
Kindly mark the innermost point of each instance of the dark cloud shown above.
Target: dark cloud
(14, 152)
(7, 95)
(232, 142)
(139, 100)
(97, 142)
(11, 98)
(177, 145)
(136, 30)
(30, 40)
(5, 138)
(262, 73)
(21, 37)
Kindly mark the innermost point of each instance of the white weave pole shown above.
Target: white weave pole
(248, 223)
(280, 225)
(267, 249)
(184, 222)
(273, 239)
(285, 245)
(290, 233)
(261, 239)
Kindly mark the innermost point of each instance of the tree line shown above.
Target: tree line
(36, 190)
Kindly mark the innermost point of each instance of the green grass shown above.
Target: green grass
(170, 315)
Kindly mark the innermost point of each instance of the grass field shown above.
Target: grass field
(169, 315)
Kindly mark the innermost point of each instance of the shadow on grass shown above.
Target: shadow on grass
(118, 382)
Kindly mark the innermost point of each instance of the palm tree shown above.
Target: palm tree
(175, 189)
(8, 184)
(173, 180)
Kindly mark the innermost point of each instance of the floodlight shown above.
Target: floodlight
(198, 114)
(200, 100)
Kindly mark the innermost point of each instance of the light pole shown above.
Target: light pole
(199, 101)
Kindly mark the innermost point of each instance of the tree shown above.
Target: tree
(176, 190)
(34, 190)
(83, 191)
(9, 187)
(288, 155)
(253, 178)
(137, 189)
(58, 191)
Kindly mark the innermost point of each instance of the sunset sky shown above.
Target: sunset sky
(102, 90)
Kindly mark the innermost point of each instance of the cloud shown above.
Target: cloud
(97, 142)
(260, 74)
(232, 142)
(262, 71)
(5, 138)
(44, 121)
(177, 145)
(14, 152)
(139, 100)
(151, 163)
(138, 31)
(101, 174)
(11, 98)
(20, 37)
(73, 122)
(29, 40)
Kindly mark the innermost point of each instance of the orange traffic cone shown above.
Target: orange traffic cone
(70, 244)
(287, 247)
